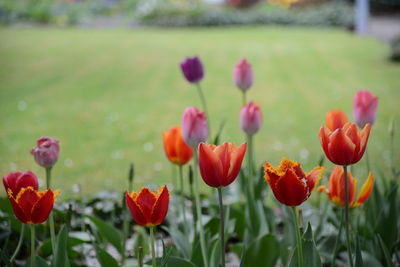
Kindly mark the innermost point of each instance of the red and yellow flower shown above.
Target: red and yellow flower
(220, 165)
(31, 206)
(290, 185)
(335, 119)
(176, 150)
(336, 191)
(148, 208)
(345, 145)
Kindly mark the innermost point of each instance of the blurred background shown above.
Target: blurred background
(103, 77)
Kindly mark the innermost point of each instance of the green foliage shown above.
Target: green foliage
(395, 49)
(60, 255)
(265, 249)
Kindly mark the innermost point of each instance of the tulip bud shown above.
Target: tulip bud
(192, 69)
(46, 152)
(365, 105)
(243, 75)
(251, 118)
(194, 126)
(131, 173)
(335, 118)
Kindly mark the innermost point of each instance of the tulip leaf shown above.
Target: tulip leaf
(108, 232)
(61, 255)
(105, 259)
(385, 252)
(40, 262)
(263, 250)
(180, 240)
(359, 261)
(179, 262)
(4, 260)
(215, 258)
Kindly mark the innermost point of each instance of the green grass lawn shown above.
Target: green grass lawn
(108, 94)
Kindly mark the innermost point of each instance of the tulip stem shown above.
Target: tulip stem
(337, 240)
(203, 102)
(298, 238)
(33, 256)
(51, 217)
(250, 155)
(198, 210)
(183, 199)
(153, 250)
(140, 256)
(346, 214)
(244, 98)
(222, 231)
(21, 238)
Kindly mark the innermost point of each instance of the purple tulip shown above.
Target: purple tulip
(46, 152)
(251, 118)
(365, 105)
(192, 69)
(194, 126)
(243, 75)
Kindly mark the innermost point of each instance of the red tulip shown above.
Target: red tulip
(148, 208)
(46, 152)
(345, 145)
(177, 151)
(290, 185)
(15, 181)
(31, 206)
(336, 192)
(220, 165)
(365, 105)
(335, 119)
(243, 75)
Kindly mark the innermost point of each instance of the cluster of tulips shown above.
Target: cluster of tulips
(344, 144)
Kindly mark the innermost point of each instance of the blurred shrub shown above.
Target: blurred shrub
(169, 15)
(395, 49)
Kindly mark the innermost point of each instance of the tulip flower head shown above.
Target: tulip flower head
(290, 185)
(251, 118)
(365, 105)
(15, 181)
(345, 145)
(192, 69)
(176, 150)
(335, 119)
(220, 165)
(31, 206)
(243, 75)
(194, 126)
(46, 152)
(148, 208)
(336, 191)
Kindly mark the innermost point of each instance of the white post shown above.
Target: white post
(362, 14)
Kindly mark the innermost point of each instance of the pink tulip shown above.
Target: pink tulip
(46, 152)
(194, 126)
(365, 105)
(243, 75)
(251, 118)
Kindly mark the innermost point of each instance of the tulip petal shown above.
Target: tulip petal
(364, 139)
(27, 179)
(314, 176)
(41, 210)
(236, 159)
(210, 166)
(224, 156)
(146, 199)
(335, 181)
(19, 213)
(160, 208)
(26, 199)
(290, 190)
(135, 210)
(351, 131)
(340, 148)
(324, 133)
(366, 190)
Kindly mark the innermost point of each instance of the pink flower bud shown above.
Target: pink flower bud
(46, 152)
(251, 118)
(194, 126)
(365, 105)
(243, 75)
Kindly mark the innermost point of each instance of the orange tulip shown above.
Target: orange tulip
(345, 145)
(177, 151)
(148, 208)
(335, 119)
(220, 165)
(336, 192)
(289, 183)
(31, 206)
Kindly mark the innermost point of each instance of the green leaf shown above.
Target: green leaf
(385, 252)
(180, 240)
(263, 250)
(4, 259)
(60, 255)
(179, 262)
(105, 259)
(359, 260)
(387, 227)
(108, 232)
(40, 262)
(215, 258)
